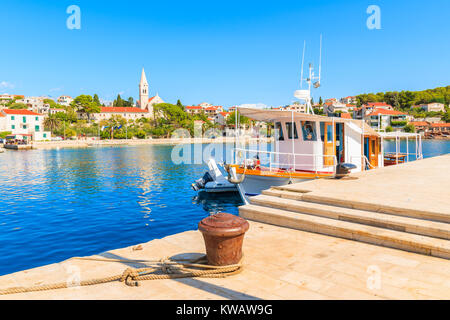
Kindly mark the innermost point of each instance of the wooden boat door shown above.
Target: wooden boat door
(329, 144)
(373, 151)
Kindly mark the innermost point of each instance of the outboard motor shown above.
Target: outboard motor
(343, 169)
(200, 183)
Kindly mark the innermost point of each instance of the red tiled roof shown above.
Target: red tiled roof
(150, 99)
(193, 107)
(379, 104)
(440, 125)
(346, 115)
(122, 110)
(224, 113)
(24, 112)
(212, 108)
(382, 111)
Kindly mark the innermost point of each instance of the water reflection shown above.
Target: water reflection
(217, 202)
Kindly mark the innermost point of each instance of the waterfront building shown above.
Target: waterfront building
(35, 104)
(420, 126)
(349, 100)
(429, 107)
(23, 122)
(440, 128)
(64, 100)
(5, 98)
(296, 106)
(380, 118)
(128, 113)
(194, 109)
(144, 102)
(379, 105)
(221, 118)
(209, 110)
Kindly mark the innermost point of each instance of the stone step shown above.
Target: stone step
(376, 219)
(375, 207)
(275, 192)
(348, 230)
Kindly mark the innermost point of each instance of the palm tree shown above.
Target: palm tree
(52, 122)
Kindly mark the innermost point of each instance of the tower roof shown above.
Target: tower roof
(143, 77)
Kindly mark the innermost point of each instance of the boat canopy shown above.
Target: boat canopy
(274, 115)
(399, 134)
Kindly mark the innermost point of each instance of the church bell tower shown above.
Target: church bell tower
(143, 91)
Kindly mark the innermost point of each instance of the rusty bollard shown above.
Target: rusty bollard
(223, 234)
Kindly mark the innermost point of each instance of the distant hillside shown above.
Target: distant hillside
(405, 99)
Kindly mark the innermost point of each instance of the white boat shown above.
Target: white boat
(213, 181)
(306, 146)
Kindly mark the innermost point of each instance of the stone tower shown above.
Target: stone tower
(143, 91)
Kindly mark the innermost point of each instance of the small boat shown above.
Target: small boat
(214, 181)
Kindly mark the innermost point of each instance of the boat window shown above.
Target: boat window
(309, 131)
(289, 130)
(322, 131)
(279, 131)
(329, 133)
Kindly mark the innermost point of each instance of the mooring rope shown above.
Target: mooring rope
(166, 269)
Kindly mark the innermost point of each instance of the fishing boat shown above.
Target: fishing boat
(306, 146)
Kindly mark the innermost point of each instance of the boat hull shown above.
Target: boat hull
(253, 185)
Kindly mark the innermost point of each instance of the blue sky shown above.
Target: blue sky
(223, 52)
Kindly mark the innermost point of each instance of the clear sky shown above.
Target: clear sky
(222, 52)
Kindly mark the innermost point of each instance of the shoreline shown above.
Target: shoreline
(93, 143)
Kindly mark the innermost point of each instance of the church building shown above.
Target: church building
(144, 102)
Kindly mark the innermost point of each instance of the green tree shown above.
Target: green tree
(96, 99)
(52, 122)
(409, 128)
(18, 105)
(85, 104)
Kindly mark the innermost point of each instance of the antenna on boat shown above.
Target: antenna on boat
(306, 94)
(303, 60)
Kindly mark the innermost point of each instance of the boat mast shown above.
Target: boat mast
(306, 94)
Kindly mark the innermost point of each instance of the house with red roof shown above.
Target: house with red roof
(128, 113)
(349, 100)
(381, 118)
(222, 117)
(24, 122)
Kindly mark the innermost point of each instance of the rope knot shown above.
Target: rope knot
(129, 276)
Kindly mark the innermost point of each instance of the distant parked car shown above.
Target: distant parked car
(57, 139)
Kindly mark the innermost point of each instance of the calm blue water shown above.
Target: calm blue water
(56, 204)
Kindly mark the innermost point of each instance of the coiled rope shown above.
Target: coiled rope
(164, 269)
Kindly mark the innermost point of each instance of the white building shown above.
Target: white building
(128, 113)
(349, 100)
(23, 121)
(222, 117)
(298, 107)
(65, 100)
(435, 106)
(144, 102)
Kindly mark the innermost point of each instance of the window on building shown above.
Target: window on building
(24, 119)
(279, 131)
(13, 126)
(12, 118)
(36, 128)
(45, 135)
(309, 130)
(289, 130)
(37, 118)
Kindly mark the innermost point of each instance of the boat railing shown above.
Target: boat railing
(365, 161)
(289, 162)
